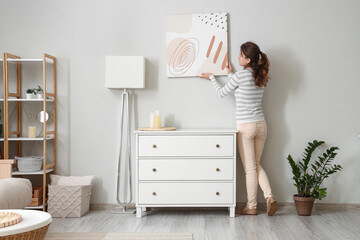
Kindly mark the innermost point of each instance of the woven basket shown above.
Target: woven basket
(38, 234)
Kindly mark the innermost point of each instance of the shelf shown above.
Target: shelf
(48, 60)
(26, 100)
(40, 172)
(50, 137)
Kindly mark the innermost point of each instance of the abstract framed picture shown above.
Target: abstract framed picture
(196, 43)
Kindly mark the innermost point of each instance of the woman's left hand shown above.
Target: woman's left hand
(205, 75)
(229, 68)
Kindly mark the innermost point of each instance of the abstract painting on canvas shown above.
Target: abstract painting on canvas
(196, 43)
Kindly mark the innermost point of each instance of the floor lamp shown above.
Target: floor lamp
(124, 72)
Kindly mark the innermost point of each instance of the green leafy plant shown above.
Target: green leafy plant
(308, 184)
(29, 91)
(38, 90)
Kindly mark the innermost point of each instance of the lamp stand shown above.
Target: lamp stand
(127, 160)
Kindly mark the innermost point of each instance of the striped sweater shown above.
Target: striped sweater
(247, 95)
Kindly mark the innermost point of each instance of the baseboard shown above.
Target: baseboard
(108, 206)
(261, 206)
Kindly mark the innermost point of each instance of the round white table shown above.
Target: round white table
(31, 220)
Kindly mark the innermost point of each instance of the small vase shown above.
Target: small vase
(29, 96)
(304, 205)
(40, 96)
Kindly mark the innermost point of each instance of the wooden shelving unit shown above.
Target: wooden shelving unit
(26, 100)
(17, 98)
(16, 173)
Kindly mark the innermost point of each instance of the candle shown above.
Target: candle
(32, 132)
(157, 120)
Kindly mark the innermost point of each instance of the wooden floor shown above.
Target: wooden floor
(325, 223)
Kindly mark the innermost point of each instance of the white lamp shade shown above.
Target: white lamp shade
(124, 72)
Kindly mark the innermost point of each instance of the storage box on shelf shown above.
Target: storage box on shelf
(186, 168)
(37, 197)
(37, 192)
(18, 98)
(35, 202)
(29, 164)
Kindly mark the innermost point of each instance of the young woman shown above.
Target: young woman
(248, 85)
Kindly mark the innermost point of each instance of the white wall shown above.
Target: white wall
(314, 51)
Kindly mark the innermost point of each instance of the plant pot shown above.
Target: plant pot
(304, 205)
(29, 96)
(40, 96)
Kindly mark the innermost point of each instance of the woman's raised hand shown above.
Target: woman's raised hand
(205, 75)
(229, 68)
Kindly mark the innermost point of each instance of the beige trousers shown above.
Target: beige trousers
(251, 140)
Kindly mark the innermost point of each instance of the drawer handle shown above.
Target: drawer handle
(217, 146)
(218, 169)
(154, 169)
(154, 193)
(154, 146)
(217, 193)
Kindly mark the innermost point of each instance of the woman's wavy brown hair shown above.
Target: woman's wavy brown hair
(259, 63)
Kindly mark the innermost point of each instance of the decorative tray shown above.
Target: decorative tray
(9, 218)
(157, 129)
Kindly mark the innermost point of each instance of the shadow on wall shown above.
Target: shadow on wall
(99, 189)
(151, 74)
(151, 85)
(286, 77)
(339, 180)
(67, 71)
(170, 121)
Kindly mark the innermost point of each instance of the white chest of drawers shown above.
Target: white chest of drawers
(186, 168)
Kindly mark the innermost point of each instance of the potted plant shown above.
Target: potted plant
(308, 183)
(29, 93)
(39, 92)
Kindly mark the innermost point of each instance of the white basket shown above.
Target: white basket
(69, 201)
(29, 164)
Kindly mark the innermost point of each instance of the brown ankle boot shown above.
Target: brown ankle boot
(271, 206)
(247, 211)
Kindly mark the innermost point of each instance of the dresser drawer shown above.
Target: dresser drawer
(182, 146)
(185, 193)
(186, 169)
